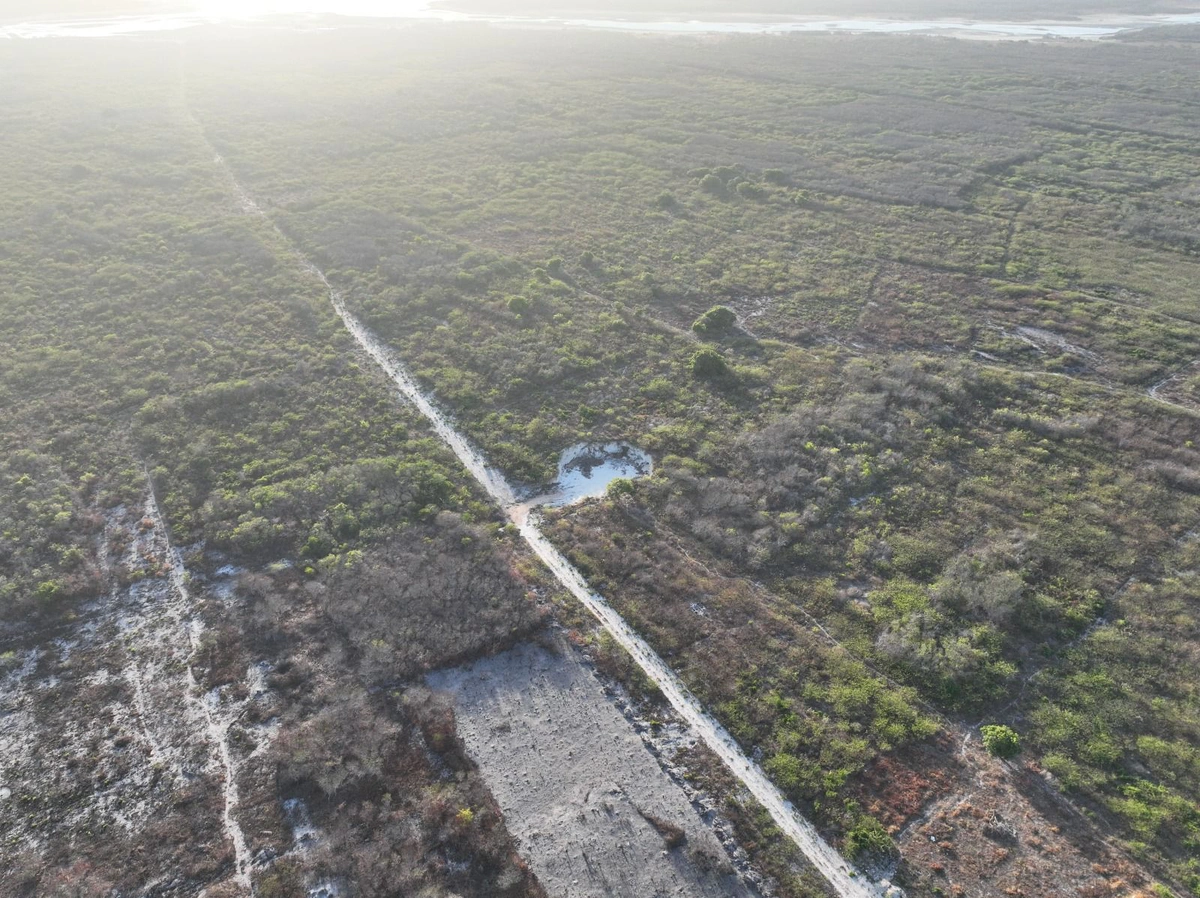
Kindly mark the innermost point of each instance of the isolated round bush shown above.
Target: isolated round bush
(716, 320)
(1000, 740)
(708, 363)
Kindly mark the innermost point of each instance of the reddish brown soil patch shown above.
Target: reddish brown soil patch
(1001, 830)
(896, 788)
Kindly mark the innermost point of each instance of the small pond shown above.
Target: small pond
(586, 469)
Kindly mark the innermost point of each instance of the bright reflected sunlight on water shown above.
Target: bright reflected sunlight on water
(172, 15)
(253, 8)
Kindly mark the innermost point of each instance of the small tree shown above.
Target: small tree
(518, 305)
(1001, 741)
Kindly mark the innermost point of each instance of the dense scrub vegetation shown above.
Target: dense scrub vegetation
(152, 328)
(155, 333)
(955, 271)
(381, 770)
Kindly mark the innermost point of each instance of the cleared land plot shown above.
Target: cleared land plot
(593, 811)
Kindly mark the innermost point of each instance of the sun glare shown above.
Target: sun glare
(233, 9)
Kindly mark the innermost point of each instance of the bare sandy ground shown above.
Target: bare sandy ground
(593, 811)
(117, 767)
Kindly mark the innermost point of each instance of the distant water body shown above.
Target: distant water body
(285, 12)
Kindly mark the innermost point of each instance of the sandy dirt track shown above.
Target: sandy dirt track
(841, 876)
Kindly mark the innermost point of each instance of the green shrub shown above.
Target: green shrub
(282, 881)
(1001, 741)
(622, 486)
(750, 191)
(709, 363)
(48, 590)
(716, 320)
(710, 183)
(868, 839)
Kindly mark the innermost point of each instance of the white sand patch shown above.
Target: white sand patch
(578, 787)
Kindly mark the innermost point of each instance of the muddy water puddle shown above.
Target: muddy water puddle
(586, 470)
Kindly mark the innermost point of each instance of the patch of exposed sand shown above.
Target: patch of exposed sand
(593, 811)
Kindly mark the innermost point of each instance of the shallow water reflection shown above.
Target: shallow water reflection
(586, 469)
